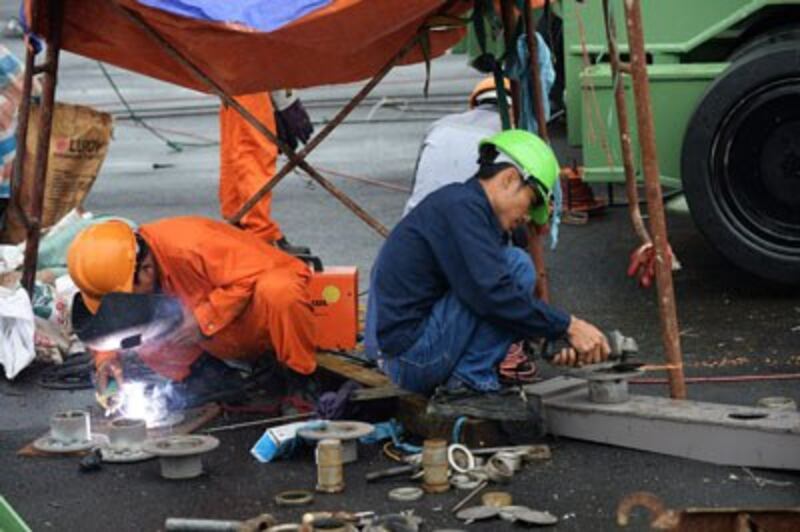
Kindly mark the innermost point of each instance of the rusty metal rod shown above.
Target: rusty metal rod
(182, 59)
(535, 243)
(631, 190)
(329, 127)
(655, 205)
(533, 52)
(22, 132)
(509, 21)
(56, 15)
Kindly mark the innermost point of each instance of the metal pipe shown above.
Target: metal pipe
(182, 59)
(329, 127)
(56, 14)
(258, 422)
(655, 205)
(624, 128)
(202, 525)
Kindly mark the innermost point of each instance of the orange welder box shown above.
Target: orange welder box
(334, 295)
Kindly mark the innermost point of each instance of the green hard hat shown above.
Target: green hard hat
(535, 159)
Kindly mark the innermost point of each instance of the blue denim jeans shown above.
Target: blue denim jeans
(456, 346)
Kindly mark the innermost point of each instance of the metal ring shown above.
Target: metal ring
(294, 498)
(406, 494)
(451, 458)
(465, 481)
(499, 470)
(513, 460)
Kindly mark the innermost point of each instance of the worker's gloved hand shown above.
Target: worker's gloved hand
(108, 378)
(291, 119)
(589, 345)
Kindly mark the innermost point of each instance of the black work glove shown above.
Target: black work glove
(293, 123)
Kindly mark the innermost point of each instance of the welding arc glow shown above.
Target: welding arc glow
(139, 402)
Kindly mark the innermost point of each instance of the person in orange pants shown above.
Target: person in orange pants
(242, 298)
(247, 160)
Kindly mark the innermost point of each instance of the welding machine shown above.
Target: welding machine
(334, 296)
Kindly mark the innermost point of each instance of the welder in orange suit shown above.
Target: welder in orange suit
(247, 158)
(242, 298)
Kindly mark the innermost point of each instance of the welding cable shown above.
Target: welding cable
(722, 379)
(458, 427)
(388, 450)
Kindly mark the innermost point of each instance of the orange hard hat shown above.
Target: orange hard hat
(484, 86)
(102, 259)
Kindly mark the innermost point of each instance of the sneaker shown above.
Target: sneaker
(517, 367)
(507, 404)
(301, 393)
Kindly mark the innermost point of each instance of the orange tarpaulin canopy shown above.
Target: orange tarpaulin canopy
(344, 41)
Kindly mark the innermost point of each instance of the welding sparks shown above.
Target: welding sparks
(138, 401)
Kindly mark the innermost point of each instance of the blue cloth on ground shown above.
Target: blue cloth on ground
(262, 15)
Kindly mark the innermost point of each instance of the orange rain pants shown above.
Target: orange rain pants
(247, 162)
(248, 297)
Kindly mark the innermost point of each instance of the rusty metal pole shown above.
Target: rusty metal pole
(49, 70)
(329, 127)
(509, 23)
(533, 52)
(22, 127)
(631, 191)
(250, 119)
(655, 205)
(535, 244)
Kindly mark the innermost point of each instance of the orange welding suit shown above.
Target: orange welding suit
(248, 297)
(247, 162)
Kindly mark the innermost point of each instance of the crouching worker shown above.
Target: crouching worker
(242, 299)
(448, 297)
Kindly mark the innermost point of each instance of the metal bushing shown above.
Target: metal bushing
(498, 470)
(294, 498)
(346, 432)
(124, 433)
(435, 466)
(330, 474)
(405, 494)
(498, 499)
(181, 455)
(71, 427)
(465, 481)
(513, 459)
(608, 384)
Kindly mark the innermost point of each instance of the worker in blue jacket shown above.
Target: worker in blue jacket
(448, 296)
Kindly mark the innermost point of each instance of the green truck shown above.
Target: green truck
(725, 82)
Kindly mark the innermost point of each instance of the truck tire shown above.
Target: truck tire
(740, 162)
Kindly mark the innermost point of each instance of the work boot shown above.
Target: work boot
(210, 381)
(291, 249)
(506, 404)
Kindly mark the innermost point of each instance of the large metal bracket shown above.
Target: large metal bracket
(711, 432)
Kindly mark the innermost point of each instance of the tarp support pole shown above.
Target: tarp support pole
(535, 245)
(253, 121)
(623, 123)
(329, 127)
(49, 71)
(655, 203)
